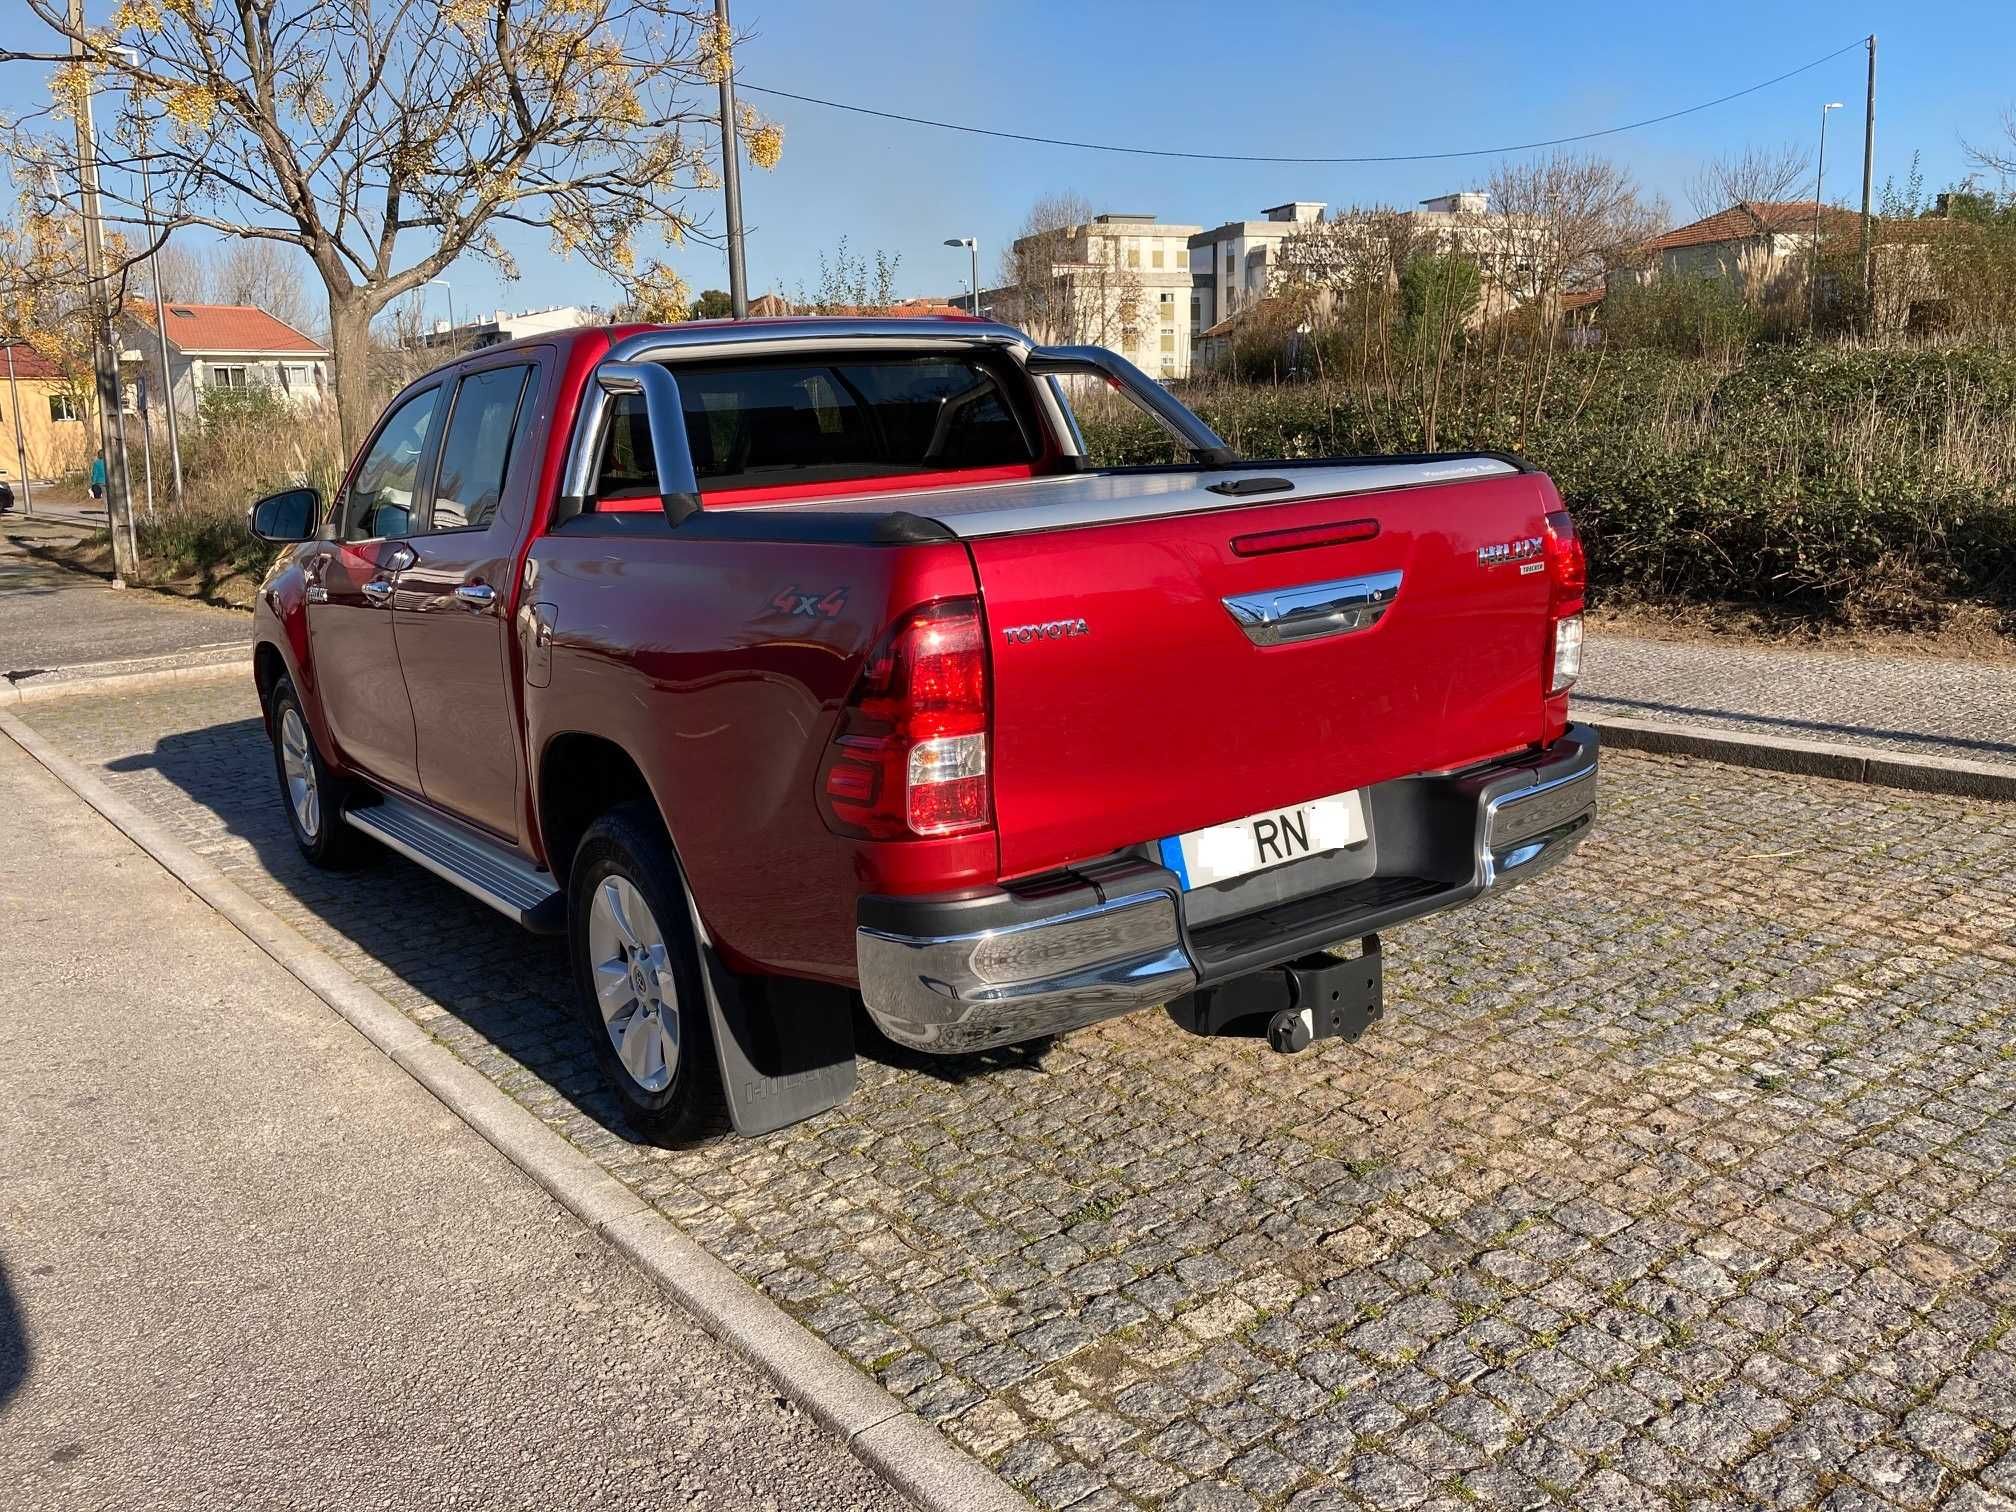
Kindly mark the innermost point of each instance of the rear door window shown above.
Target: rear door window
(753, 425)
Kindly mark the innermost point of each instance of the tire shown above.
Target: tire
(312, 794)
(637, 970)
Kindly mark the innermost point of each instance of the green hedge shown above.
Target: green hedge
(1863, 485)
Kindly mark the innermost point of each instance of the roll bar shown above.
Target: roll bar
(1058, 361)
(637, 365)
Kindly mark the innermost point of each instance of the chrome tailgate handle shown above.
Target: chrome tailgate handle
(476, 595)
(1311, 611)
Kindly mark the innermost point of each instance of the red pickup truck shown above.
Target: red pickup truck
(777, 662)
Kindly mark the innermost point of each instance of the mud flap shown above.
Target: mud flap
(786, 1048)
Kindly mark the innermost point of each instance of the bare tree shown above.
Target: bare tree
(185, 274)
(1756, 175)
(262, 273)
(386, 140)
(1563, 222)
(1994, 157)
(1037, 293)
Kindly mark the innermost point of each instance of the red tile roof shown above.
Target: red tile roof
(1752, 218)
(28, 363)
(1580, 299)
(229, 328)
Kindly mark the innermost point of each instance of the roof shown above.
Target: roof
(1751, 218)
(1266, 307)
(27, 362)
(1580, 299)
(230, 328)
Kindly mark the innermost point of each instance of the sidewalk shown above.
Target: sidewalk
(1919, 705)
(245, 1260)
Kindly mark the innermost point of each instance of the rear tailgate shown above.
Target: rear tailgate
(1162, 716)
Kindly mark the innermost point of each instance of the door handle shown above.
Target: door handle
(1310, 611)
(378, 590)
(476, 595)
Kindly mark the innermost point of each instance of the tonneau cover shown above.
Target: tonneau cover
(1068, 500)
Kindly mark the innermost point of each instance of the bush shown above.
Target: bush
(1691, 317)
(1859, 485)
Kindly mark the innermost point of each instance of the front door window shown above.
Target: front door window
(381, 501)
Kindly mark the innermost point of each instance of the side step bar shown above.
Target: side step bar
(488, 873)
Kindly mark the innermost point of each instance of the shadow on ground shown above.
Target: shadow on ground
(1803, 726)
(14, 1351)
(421, 942)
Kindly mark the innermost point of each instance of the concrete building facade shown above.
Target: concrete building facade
(1121, 281)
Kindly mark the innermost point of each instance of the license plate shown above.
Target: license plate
(1274, 838)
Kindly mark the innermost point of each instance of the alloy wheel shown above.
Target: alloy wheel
(634, 986)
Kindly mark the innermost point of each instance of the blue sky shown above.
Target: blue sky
(1266, 76)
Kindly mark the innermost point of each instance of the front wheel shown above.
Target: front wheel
(637, 970)
(312, 793)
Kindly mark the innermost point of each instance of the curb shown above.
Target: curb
(13, 694)
(908, 1453)
(1950, 775)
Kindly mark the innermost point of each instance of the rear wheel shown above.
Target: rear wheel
(311, 792)
(637, 970)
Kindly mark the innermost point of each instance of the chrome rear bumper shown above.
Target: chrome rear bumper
(953, 976)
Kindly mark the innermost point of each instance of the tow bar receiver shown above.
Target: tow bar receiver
(1319, 996)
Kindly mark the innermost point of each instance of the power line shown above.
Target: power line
(1238, 157)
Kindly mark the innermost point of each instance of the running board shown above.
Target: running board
(487, 872)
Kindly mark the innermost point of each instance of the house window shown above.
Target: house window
(1157, 258)
(1133, 254)
(295, 378)
(1168, 341)
(227, 375)
(1231, 264)
(64, 407)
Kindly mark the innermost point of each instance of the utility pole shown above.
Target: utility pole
(104, 346)
(161, 339)
(20, 445)
(1868, 168)
(731, 167)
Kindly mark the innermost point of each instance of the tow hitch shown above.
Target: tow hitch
(1318, 996)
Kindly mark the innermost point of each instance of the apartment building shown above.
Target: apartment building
(1230, 264)
(1119, 280)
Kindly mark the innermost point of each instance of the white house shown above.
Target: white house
(222, 346)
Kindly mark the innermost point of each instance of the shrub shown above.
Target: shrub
(1859, 485)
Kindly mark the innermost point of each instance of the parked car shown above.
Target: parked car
(779, 661)
(6, 497)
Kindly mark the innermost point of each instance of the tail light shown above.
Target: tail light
(910, 755)
(1567, 583)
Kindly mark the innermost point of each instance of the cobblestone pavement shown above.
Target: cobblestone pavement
(1903, 703)
(1681, 1177)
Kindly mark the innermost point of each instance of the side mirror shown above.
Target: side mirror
(286, 516)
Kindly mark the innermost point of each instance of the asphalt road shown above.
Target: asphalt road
(52, 617)
(245, 1261)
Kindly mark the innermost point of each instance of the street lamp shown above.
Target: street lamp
(451, 304)
(973, 250)
(1819, 180)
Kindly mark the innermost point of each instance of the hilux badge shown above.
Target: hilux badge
(1509, 551)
